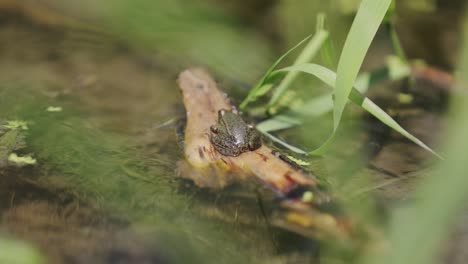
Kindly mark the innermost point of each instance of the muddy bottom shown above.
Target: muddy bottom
(66, 229)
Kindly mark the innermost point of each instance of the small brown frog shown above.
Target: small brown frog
(231, 136)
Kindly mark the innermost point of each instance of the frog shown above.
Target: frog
(232, 136)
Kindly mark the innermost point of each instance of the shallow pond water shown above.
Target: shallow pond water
(105, 187)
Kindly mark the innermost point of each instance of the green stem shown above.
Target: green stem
(396, 43)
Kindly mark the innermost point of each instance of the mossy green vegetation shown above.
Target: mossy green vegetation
(11, 139)
(105, 170)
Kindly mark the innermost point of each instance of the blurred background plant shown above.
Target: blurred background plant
(19, 253)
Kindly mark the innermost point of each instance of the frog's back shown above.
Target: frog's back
(236, 127)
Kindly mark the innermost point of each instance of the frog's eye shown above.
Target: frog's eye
(250, 126)
(214, 129)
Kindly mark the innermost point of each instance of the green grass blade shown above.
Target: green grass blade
(316, 106)
(322, 73)
(380, 114)
(278, 122)
(309, 52)
(395, 69)
(259, 88)
(284, 144)
(329, 77)
(365, 25)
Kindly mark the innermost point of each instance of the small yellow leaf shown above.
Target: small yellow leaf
(26, 160)
(54, 109)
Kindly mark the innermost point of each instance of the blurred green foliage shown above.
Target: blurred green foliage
(16, 252)
(180, 33)
(419, 229)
